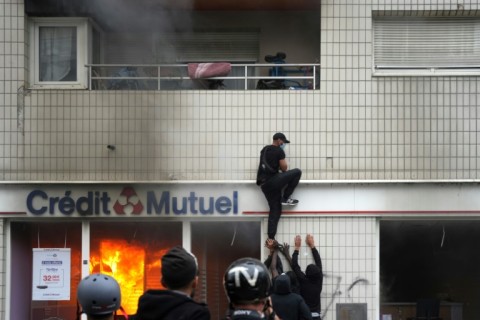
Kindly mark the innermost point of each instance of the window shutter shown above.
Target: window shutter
(426, 42)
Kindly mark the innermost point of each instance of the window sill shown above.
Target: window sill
(76, 86)
(426, 73)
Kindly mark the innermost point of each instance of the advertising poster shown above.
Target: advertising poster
(51, 274)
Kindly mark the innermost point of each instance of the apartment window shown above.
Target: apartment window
(405, 45)
(59, 51)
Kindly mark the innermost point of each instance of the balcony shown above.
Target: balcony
(267, 76)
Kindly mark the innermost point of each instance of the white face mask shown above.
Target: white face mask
(283, 145)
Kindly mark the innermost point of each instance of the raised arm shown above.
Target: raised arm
(295, 267)
(273, 267)
(286, 253)
(316, 256)
(269, 243)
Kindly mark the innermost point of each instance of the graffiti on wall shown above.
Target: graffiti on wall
(338, 292)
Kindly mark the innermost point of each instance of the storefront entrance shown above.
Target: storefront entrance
(216, 245)
(129, 251)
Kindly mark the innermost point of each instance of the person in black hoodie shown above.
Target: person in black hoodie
(311, 282)
(180, 277)
(288, 305)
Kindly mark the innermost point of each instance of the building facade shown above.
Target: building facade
(113, 165)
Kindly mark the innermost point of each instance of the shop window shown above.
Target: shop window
(216, 245)
(131, 252)
(428, 263)
(26, 236)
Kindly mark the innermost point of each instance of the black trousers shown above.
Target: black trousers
(284, 182)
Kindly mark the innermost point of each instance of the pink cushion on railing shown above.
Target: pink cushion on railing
(207, 70)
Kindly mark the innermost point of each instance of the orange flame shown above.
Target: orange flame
(124, 262)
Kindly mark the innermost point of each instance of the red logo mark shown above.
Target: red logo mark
(128, 202)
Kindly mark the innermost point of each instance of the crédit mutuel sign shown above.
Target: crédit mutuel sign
(129, 203)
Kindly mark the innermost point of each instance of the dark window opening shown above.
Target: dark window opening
(216, 245)
(436, 260)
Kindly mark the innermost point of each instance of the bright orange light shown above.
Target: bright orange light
(125, 261)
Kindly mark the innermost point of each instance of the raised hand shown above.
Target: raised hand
(298, 242)
(310, 241)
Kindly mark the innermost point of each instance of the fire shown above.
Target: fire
(125, 262)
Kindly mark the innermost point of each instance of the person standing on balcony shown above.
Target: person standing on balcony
(180, 277)
(277, 182)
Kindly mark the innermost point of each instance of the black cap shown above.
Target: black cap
(179, 268)
(280, 136)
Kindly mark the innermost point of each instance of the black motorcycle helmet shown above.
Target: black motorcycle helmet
(247, 280)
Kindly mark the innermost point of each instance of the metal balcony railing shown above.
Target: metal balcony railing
(266, 76)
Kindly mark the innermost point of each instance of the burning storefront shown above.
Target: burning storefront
(123, 231)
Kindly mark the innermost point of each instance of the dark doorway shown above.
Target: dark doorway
(434, 259)
(216, 245)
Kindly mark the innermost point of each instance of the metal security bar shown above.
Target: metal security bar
(266, 76)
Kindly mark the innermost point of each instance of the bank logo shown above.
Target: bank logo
(128, 202)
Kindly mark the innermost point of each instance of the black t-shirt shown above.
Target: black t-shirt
(269, 165)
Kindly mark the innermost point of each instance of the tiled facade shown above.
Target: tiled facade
(347, 247)
(356, 127)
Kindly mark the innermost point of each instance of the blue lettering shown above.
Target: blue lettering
(52, 203)
(235, 202)
(66, 205)
(192, 199)
(95, 202)
(158, 207)
(209, 210)
(176, 209)
(88, 202)
(30, 198)
(223, 205)
(105, 199)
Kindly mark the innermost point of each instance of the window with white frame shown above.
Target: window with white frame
(411, 45)
(59, 52)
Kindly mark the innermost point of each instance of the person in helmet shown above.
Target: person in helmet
(180, 277)
(247, 285)
(99, 296)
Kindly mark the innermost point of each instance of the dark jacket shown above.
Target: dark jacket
(286, 304)
(169, 305)
(311, 281)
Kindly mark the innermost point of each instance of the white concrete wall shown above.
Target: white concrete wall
(355, 127)
(347, 246)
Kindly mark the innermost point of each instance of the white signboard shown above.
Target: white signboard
(51, 274)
